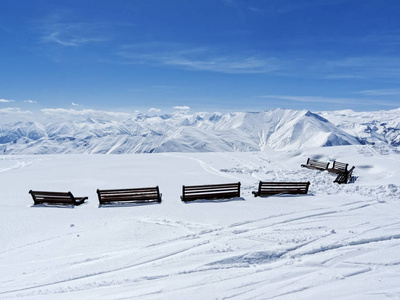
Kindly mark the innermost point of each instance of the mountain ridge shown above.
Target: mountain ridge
(282, 129)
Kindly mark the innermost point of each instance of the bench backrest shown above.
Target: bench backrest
(318, 164)
(211, 191)
(52, 197)
(131, 195)
(340, 166)
(274, 188)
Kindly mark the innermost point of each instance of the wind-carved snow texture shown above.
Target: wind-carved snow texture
(337, 242)
(200, 132)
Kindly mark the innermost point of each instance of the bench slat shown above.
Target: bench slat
(274, 188)
(211, 187)
(138, 190)
(135, 195)
(210, 191)
(313, 164)
(55, 197)
(338, 167)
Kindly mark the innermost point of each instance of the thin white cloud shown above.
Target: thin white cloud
(332, 100)
(6, 101)
(61, 112)
(30, 101)
(68, 39)
(232, 65)
(381, 92)
(71, 34)
(182, 107)
(154, 110)
(74, 104)
(199, 59)
(359, 67)
(344, 76)
(255, 9)
(13, 111)
(314, 99)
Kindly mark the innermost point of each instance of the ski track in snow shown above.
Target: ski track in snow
(341, 236)
(16, 165)
(245, 260)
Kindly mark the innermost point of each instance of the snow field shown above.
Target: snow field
(339, 241)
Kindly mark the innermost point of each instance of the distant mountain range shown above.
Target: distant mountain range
(202, 132)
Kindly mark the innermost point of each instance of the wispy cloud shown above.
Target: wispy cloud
(381, 92)
(74, 104)
(6, 101)
(359, 67)
(63, 112)
(13, 111)
(255, 9)
(154, 110)
(387, 38)
(30, 101)
(184, 107)
(229, 2)
(233, 65)
(331, 100)
(312, 99)
(198, 59)
(71, 34)
(301, 5)
(225, 61)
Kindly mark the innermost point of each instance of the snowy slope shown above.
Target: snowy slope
(378, 127)
(201, 132)
(337, 242)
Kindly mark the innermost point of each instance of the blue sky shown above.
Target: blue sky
(206, 55)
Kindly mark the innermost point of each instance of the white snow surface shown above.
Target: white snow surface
(337, 242)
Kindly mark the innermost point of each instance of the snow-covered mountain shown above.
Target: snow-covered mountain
(200, 132)
(369, 127)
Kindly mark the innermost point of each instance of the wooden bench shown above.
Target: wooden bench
(344, 177)
(314, 164)
(136, 195)
(209, 192)
(266, 189)
(56, 198)
(338, 167)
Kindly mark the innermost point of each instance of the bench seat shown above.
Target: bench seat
(266, 189)
(344, 177)
(40, 197)
(210, 192)
(134, 195)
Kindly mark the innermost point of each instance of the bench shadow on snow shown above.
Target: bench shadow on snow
(215, 200)
(128, 204)
(70, 206)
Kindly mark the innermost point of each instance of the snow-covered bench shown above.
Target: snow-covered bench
(314, 164)
(56, 198)
(344, 177)
(135, 195)
(338, 167)
(211, 191)
(273, 188)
